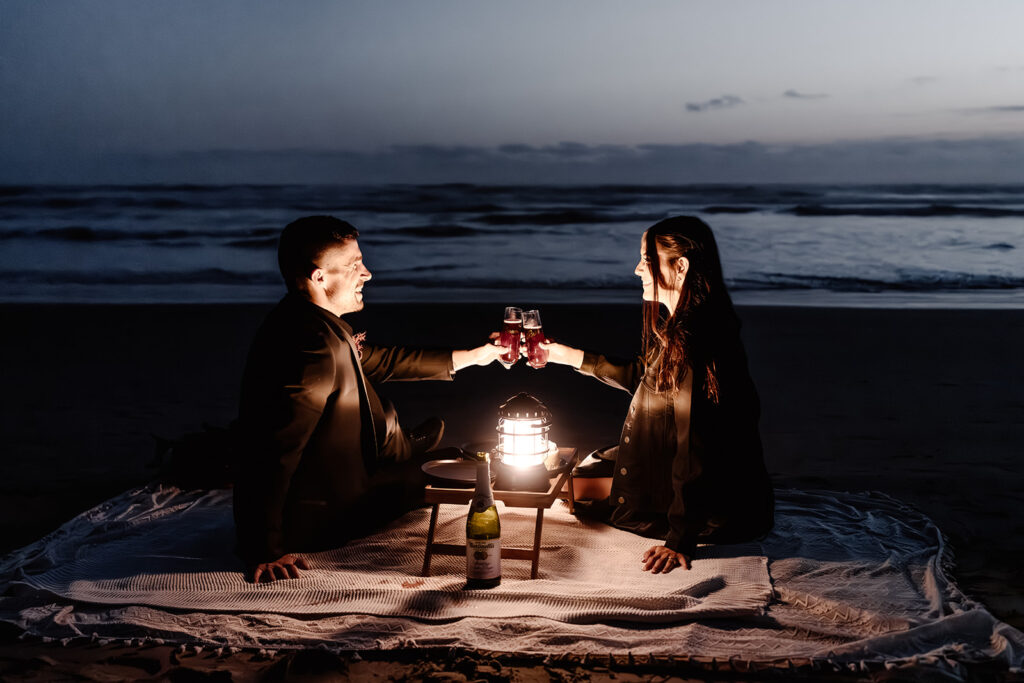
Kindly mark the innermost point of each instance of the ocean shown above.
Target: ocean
(827, 245)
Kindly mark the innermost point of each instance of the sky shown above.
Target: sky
(548, 91)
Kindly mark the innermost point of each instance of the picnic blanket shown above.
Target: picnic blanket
(164, 548)
(844, 578)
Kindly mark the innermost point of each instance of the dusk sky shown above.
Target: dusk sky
(581, 91)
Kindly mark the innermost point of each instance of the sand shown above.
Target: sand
(925, 405)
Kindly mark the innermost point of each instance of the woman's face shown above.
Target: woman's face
(667, 295)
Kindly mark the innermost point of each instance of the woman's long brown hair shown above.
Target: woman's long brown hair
(704, 321)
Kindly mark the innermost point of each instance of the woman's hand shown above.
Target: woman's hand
(481, 355)
(560, 353)
(662, 560)
(285, 567)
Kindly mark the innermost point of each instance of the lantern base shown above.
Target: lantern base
(512, 478)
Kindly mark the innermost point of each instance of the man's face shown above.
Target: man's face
(341, 274)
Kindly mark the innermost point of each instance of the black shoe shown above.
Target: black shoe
(426, 435)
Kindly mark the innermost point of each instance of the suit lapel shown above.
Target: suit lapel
(377, 420)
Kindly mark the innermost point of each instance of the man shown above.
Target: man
(322, 458)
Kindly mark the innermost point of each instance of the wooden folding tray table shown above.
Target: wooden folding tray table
(561, 478)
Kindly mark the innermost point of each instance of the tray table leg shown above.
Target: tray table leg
(430, 541)
(536, 542)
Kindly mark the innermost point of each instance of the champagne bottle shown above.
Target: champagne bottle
(483, 532)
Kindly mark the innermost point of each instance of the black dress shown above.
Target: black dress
(688, 470)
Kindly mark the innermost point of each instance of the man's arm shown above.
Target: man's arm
(481, 355)
(399, 364)
(278, 422)
(396, 364)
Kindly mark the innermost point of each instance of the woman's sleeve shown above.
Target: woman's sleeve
(686, 517)
(621, 374)
(723, 484)
(685, 521)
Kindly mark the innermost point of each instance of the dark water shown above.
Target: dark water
(916, 245)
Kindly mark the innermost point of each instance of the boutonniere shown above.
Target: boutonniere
(358, 340)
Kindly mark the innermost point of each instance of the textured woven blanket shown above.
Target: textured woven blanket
(858, 579)
(164, 548)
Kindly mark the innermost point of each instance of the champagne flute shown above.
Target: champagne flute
(510, 333)
(536, 355)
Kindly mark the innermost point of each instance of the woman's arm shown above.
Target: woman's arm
(686, 519)
(562, 354)
(621, 374)
(723, 485)
(662, 559)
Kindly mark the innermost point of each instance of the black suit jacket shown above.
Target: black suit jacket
(312, 430)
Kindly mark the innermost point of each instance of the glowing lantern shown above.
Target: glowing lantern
(523, 425)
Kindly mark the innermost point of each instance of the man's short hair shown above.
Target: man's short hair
(303, 242)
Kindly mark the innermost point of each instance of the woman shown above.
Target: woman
(689, 467)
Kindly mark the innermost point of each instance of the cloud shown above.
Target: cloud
(922, 80)
(890, 160)
(793, 94)
(723, 102)
(1003, 109)
(561, 152)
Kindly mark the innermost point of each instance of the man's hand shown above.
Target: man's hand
(662, 560)
(481, 355)
(285, 567)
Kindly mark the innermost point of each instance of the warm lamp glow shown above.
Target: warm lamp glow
(523, 446)
(522, 442)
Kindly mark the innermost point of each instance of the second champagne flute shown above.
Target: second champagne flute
(536, 355)
(510, 333)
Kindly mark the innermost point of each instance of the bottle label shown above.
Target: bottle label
(483, 558)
